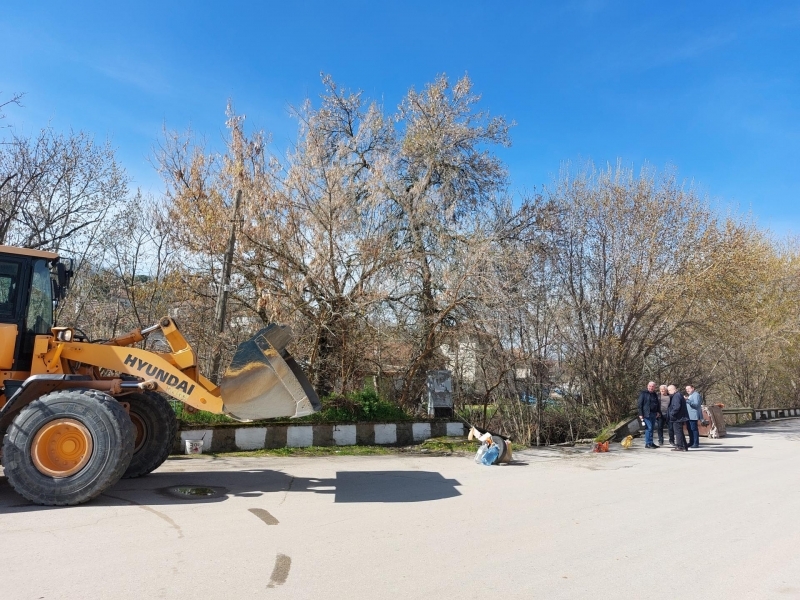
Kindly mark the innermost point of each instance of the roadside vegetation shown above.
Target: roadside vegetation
(354, 407)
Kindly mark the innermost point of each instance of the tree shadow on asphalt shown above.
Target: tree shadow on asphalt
(169, 488)
(720, 449)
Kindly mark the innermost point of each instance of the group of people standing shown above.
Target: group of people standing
(671, 409)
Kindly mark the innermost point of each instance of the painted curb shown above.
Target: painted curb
(231, 439)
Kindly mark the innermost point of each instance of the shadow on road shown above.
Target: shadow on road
(393, 486)
(720, 448)
(216, 486)
(777, 425)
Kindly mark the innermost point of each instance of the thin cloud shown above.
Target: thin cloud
(142, 76)
(692, 49)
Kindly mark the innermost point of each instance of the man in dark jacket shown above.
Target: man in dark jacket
(649, 408)
(663, 398)
(678, 416)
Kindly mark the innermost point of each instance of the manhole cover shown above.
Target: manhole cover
(195, 492)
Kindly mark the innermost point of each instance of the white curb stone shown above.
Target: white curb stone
(421, 431)
(300, 436)
(455, 429)
(344, 435)
(385, 433)
(251, 438)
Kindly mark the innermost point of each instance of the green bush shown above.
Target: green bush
(365, 405)
(562, 421)
(199, 417)
(567, 423)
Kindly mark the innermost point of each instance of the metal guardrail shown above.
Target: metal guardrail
(759, 414)
(775, 413)
(740, 411)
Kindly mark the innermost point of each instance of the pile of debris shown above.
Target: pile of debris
(494, 448)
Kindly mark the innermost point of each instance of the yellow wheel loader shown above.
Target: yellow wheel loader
(77, 415)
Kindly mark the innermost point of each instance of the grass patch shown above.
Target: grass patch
(309, 451)
(441, 446)
(200, 417)
(606, 434)
(437, 446)
(450, 444)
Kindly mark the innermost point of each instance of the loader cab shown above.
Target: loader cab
(31, 283)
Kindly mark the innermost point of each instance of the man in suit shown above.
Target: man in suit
(649, 408)
(677, 417)
(694, 406)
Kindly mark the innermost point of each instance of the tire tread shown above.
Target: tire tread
(48, 494)
(158, 452)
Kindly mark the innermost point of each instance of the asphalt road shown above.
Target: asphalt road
(720, 522)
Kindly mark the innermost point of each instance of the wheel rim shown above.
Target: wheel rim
(61, 448)
(141, 431)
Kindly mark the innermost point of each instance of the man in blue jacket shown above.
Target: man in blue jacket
(649, 408)
(694, 407)
(677, 417)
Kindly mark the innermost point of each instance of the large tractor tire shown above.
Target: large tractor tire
(156, 425)
(68, 447)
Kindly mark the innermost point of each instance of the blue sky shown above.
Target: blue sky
(712, 88)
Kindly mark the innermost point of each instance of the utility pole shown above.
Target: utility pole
(222, 297)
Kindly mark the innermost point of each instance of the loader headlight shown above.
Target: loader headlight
(65, 335)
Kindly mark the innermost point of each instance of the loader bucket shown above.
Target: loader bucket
(263, 381)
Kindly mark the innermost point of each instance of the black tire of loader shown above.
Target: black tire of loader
(160, 427)
(112, 438)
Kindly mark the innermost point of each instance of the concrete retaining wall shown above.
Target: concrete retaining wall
(230, 439)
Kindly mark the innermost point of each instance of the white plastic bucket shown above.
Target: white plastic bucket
(193, 446)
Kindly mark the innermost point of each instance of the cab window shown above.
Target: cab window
(40, 307)
(9, 279)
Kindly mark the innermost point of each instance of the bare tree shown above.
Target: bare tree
(744, 331)
(54, 188)
(627, 247)
(15, 99)
(388, 244)
(439, 175)
(318, 242)
(313, 241)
